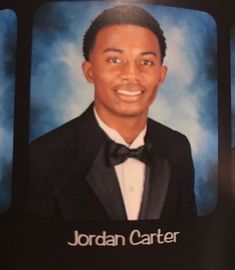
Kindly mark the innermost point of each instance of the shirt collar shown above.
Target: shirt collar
(116, 136)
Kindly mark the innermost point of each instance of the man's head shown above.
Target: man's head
(124, 54)
(123, 15)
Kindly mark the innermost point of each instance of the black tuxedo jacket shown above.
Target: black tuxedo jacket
(71, 180)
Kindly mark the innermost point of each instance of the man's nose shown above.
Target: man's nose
(130, 71)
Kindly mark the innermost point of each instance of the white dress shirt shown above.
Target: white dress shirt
(131, 173)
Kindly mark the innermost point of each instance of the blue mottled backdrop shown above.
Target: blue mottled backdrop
(7, 76)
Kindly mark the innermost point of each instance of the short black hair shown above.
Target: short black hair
(124, 14)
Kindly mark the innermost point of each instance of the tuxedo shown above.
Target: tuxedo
(70, 177)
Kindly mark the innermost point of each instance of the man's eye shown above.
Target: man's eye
(146, 62)
(114, 60)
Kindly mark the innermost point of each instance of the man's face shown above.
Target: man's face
(125, 68)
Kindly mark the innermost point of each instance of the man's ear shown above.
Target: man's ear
(87, 71)
(163, 73)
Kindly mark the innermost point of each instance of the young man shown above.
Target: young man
(113, 162)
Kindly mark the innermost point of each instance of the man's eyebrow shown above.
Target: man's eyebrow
(149, 52)
(121, 51)
(113, 50)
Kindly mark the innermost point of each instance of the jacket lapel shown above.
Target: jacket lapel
(103, 180)
(157, 175)
(155, 190)
(101, 177)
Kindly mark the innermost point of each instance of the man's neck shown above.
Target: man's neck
(129, 127)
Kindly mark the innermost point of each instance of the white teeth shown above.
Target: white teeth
(129, 93)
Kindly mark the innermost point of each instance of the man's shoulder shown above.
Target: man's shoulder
(169, 142)
(61, 132)
(64, 135)
(60, 139)
(158, 129)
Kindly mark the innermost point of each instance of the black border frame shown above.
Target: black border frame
(23, 239)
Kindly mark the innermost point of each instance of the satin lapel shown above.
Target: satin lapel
(156, 186)
(157, 174)
(103, 180)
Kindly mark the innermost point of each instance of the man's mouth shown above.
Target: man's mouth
(128, 92)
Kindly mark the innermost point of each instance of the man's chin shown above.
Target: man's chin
(132, 113)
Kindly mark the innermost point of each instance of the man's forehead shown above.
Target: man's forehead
(124, 26)
(111, 37)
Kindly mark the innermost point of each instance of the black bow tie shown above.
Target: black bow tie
(118, 153)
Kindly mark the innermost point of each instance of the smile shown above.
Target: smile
(129, 93)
